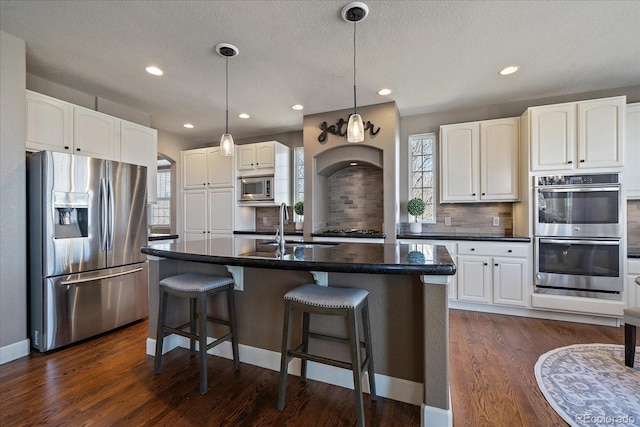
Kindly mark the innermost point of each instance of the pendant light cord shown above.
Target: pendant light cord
(355, 104)
(226, 72)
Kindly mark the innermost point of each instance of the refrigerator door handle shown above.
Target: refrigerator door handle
(93, 279)
(103, 214)
(111, 224)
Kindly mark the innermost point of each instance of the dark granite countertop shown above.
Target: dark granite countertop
(268, 233)
(633, 252)
(157, 236)
(413, 259)
(465, 236)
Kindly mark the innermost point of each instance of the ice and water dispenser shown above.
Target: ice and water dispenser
(72, 212)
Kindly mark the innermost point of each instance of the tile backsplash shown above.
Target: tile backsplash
(470, 218)
(356, 198)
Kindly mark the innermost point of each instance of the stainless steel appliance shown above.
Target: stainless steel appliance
(87, 222)
(256, 188)
(579, 205)
(580, 267)
(579, 236)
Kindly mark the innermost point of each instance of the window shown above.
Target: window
(161, 211)
(422, 155)
(298, 170)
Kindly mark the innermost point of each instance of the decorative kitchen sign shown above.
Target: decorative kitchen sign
(340, 129)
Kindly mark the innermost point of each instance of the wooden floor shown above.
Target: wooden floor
(109, 381)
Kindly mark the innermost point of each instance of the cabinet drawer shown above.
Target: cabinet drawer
(492, 249)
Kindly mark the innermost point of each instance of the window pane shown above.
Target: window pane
(422, 173)
(161, 212)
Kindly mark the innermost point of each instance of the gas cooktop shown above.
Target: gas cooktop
(351, 231)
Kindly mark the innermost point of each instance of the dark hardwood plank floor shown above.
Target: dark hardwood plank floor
(109, 381)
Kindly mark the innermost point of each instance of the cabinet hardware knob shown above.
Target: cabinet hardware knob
(510, 250)
(569, 162)
(496, 264)
(473, 249)
(484, 194)
(486, 263)
(66, 147)
(473, 194)
(77, 149)
(582, 161)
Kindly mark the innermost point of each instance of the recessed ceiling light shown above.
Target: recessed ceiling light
(244, 115)
(297, 107)
(188, 125)
(384, 92)
(353, 164)
(508, 70)
(154, 70)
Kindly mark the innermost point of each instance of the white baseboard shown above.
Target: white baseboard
(535, 313)
(435, 417)
(389, 387)
(14, 351)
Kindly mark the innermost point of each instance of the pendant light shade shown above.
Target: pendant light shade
(226, 141)
(355, 129)
(226, 145)
(354, 12)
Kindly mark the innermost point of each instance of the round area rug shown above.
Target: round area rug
(589, 385)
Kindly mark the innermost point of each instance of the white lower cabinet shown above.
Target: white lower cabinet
(493, 273)
(633, 290)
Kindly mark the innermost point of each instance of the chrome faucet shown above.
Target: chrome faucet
(284, 215)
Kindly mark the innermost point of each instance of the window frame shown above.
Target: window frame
(162, 171)
(434, 170)
(298, 162)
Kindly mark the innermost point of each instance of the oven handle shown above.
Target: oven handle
(577, 190)
(582, 242)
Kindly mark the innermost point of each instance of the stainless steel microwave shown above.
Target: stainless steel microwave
(255, 189)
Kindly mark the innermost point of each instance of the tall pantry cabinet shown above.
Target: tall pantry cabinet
(209, 207)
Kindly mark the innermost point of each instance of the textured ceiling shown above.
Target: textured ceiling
(433, 55)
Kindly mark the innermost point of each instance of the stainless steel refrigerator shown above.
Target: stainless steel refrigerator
(87, 222)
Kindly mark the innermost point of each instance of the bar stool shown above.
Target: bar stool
(198, 288)
(349, 302)
(631, 322)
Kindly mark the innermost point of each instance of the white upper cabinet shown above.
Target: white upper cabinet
(479, 161)
(49, 123)
(95, 134)
(139, 146)
(206, 168)
(220, 169)
(256, 158)
(632, 152)
(577, 135)
(194, 168)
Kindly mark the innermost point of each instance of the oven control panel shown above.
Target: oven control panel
(604, 178)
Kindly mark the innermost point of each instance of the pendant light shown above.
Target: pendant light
(354, 12)
(226, 141)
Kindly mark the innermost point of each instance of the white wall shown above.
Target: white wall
(13, 193)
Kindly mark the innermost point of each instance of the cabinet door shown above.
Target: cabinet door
(194, 212)
(265, 155)
(220, 208)
(459, 154)
(553, 137)
(220, 169)
(474, 279)
(509, 279)
(245, 155)
(600, 130)
(632, 152)
(139, 145)
(194, 169)
(49, 123)
(95, 134)
(499, 159)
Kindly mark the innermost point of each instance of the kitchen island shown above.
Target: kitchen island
(407, 284)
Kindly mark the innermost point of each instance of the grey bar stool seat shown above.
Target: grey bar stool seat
(198, 288)
(350, 302)
(631, 322)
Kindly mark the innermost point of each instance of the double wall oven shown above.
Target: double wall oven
(579, 236)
